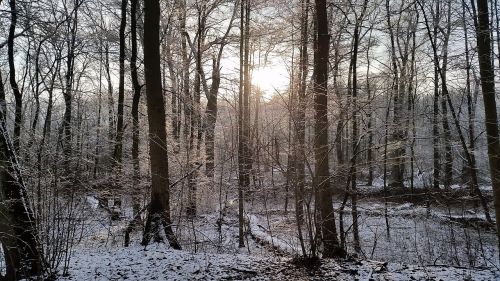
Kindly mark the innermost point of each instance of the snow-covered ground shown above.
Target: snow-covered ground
(424, 244)
(157, 262)
(417, 235)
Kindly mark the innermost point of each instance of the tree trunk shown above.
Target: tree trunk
(111, 102)
(322, 174)
(99, 109)
(243, 117)
(470, 103)
(188, 101)
(117, 153)
(175, 100)
(490, 109)
(300, 123)
(12, 76)
(68, 90)
(17, 221)
(448, 156)
(369, 152)
(211, 118)
(211, 108)
(355, 142)
(397, 153)
(159, 209)
(136, 88)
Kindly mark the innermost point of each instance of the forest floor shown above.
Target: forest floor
(425, 243)
(159, 263)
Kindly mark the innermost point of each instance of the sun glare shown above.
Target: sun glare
(270, 79)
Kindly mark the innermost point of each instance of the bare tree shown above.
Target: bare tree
(136, 87)
(159, 207)
(490, 109)
(322, 172)
(17, 221)
(12, 75)
(117, 153)
(244, 163)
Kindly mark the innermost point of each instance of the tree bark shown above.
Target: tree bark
(72, 26)
(322, 174)
(397, 154)
(490, 109)
(111, 102)
(17, 221)
(299, 122)
(448, 156)
(12, 76)
(472, 169)
(243, 117)
(159, 209)
(117, 153)
(136, 87)
(355, 132)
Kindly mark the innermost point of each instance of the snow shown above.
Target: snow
(419, 248)
(92, 201)
(263, 234)
(157, 262)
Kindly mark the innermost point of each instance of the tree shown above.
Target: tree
(446, 95)
(17, 221)
(244, 163)
(12, 76)
(355, 132)
(212, 96)
(71, 29)
(322, 173)
(490, 109)
(136, 87)
(299, 123)
(117, 153)
(159, 207)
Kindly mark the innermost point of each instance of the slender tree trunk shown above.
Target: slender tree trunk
(159, 208)
(175, 101)
(117, 153)
(497, 28)
(211, 118)
(355, 142)
(68, 90)
(196, 116)
(369, 152)
(412, 86)
(397, 155)
(136, 87)
(300, 122)
(435, 133)
(3, 103)
(111, 102)
(436, 112)
(36, 94)
(490, 109)
(331, 247)
(472, 169)
(244, 164)
(188, 101)
(448, 165)
(199, 70)
(99, 109)
(12, 76)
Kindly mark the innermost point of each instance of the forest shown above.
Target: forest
(249, 140)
